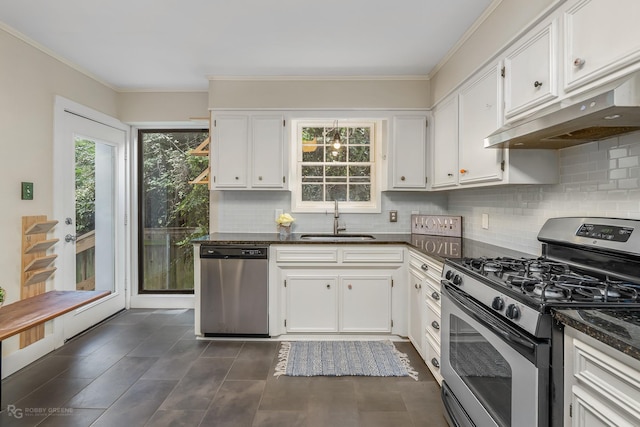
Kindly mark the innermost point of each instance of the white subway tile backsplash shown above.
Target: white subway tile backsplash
(616, 153)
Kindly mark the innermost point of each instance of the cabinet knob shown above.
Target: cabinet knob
(435, 296)
(416, 286)
(449, 174)
(349, 286)
(402, 178)
(463, 171)
(537, 84)
(578, 62)
(435, 325)
(328, 286)
(424, 267)
(435, 362)
(237, 178)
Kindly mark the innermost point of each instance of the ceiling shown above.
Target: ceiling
(178, 45)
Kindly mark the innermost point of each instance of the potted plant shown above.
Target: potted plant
(2, 293)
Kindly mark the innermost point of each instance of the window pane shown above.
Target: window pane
(360, 171)
(312, 193)
(359, 193)
(360, 136)
(172, 211)
(312, 171)
(359, 153)
(336, 192)
(336, 154)
(336, 171)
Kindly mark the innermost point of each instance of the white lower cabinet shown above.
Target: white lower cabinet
(365, 304)
(601, 384)
(424, 309)
(346, 289)
(312, 303)
(342, 303)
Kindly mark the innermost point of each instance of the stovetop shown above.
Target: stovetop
(545, 282)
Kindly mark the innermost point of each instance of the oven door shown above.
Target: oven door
(494, 375)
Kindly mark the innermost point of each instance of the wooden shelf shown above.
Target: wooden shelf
(202, 149)
(39, 276)
(41, 246)
(41, 227)
(203, 178)
(39, 263)
(36, 266)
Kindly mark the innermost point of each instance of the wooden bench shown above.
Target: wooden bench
(24, 314)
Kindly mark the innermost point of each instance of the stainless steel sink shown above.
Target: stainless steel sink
(336, 237)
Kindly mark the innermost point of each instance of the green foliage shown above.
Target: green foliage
(85, 186)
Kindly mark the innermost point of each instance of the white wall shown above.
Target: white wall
(309, 94)
(596, 179)
(162, 107)
(507, 20)
(29, 81)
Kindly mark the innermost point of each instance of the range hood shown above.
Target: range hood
(613, 111)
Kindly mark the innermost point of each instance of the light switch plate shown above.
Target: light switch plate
(27, 191)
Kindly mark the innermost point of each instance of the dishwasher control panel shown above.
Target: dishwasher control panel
(233, 252)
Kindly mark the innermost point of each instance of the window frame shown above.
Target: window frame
(297, 204)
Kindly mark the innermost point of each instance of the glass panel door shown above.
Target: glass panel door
(95, 214)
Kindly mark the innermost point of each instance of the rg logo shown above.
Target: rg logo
(14, 412)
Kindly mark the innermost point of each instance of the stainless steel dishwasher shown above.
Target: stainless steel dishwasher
(234, 291)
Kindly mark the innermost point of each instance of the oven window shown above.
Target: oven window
(482, 368)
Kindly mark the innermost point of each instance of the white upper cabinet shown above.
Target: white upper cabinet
(230, 150)
(445, 144)
(480, 113)
(601, 39)
(531, 70)
(248, 151)
(267, 159)
(408, 169)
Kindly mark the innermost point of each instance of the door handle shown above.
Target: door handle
(70, 238)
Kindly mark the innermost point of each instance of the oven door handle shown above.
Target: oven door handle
(476, 311)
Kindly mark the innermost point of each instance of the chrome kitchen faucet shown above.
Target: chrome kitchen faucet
(336, 215)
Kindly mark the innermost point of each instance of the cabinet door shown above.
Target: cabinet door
(409, 152)
(230, 153)
(366, 304)
(601, 37)
(445, 144)
(312, 304)
(267, 155)
(480, 114)
(530, 72)
(416, 331)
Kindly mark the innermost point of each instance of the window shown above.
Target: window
(172, 211)
(336, 161)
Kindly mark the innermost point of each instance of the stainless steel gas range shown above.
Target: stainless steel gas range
(501, 354)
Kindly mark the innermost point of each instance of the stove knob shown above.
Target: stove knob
(512, 312)
(448, 275)
(498, 303)
(457, 280)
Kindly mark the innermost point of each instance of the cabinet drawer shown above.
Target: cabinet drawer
(368, 255)
(433, 359)
(298, 254)
(607, 376)
(433, 324)
(432, 294)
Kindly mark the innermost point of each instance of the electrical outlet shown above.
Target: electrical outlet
(485, 221)
(27, 191)
(393, 216)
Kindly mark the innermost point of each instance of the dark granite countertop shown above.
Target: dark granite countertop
(437, 247)
(618, 328)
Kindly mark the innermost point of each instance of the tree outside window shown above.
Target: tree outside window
(172, 212)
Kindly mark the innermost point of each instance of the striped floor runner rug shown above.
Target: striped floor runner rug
(343, 358)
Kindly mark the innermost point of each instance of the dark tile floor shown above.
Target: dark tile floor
(145, 368)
